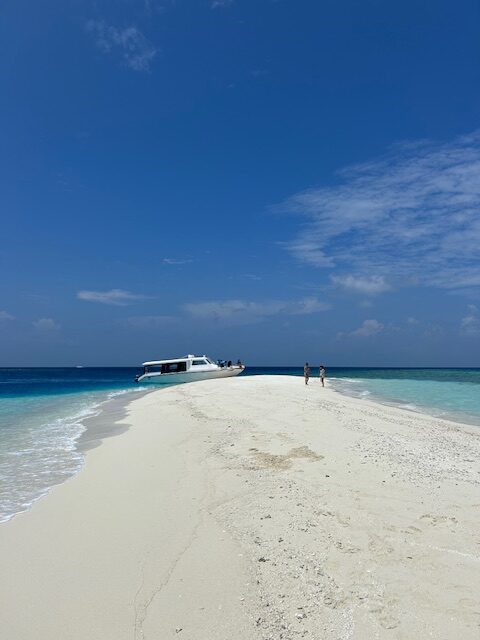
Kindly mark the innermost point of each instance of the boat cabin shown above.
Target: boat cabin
(189, 363)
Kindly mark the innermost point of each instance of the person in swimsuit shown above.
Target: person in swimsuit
(322, 375)
(306, 372)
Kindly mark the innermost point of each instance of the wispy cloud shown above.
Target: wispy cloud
(369, 286)
(246, 312)
(218, 4)
(46, 324)
(306, 306)
(153, 7)
(411, 216)
(366, 329)
(470, 324)
(136, 50)
(176, 261)
(4, 315)
(118, 297)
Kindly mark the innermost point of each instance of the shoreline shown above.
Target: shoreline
(455, 417)
(98, 425)
(254, 507)
(109, 421)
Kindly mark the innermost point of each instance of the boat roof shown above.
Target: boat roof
(184, 359)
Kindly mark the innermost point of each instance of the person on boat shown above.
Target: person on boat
(239, 363)
(322, 375)
(306, 372)
(229, 363)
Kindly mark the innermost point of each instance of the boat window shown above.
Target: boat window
(174, 367)
(170, 367)
(153, 368)
(198, 362)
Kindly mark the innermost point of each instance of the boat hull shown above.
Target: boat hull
(189, 376)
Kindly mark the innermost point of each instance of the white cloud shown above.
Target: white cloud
(137, 51)
(412, 321)
(411, 216)
(6, 316)
(246, 312)
(306, 306)
(118, 297)
(176, 261)
(46, 324)
(370, 286)
(367, 328)
(470, 324)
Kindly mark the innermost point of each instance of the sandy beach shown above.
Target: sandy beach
(254, 508)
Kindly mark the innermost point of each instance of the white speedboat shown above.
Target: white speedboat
(188, 369)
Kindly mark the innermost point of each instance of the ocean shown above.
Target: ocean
(42, 413)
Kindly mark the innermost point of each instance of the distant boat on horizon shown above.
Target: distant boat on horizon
(187, 369)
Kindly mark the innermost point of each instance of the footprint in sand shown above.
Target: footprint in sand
(381, 607)
(379, 546)
(343, 520)
(388, 621)
(411, 530)
(346, 547)
(435, 520)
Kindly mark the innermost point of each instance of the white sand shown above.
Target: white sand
(254, 508)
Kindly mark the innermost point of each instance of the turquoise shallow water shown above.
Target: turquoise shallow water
(42, 413)
(454, 399)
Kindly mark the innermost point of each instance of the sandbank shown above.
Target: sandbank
(254, 508)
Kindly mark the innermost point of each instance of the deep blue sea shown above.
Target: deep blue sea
(42, 413)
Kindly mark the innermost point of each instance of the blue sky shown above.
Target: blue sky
(274, 180)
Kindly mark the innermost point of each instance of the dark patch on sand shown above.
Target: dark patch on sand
(279, 462)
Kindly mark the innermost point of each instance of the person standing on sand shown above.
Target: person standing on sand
(306, 372)
(322, 375)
